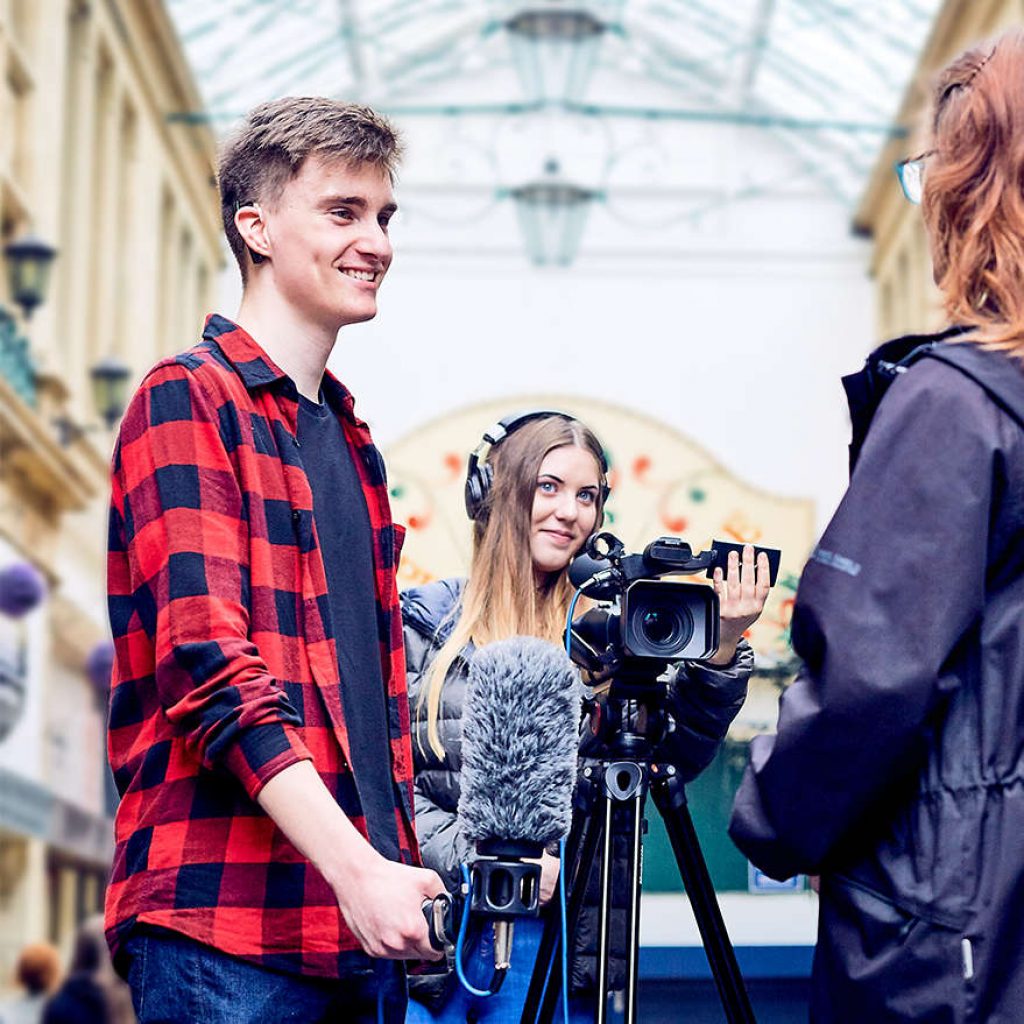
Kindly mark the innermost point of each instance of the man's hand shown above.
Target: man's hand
(382, 901)
(741, 597)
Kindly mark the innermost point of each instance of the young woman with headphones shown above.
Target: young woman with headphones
(535, 491)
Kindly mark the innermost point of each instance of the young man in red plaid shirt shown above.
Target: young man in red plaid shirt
(259, 725)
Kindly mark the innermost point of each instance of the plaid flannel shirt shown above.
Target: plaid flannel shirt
(226, 670)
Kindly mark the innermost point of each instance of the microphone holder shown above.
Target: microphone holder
(616, 773)
(504, 885)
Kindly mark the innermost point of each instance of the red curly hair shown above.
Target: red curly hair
(38, 968)
(973, 194)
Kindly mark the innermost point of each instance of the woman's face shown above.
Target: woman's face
(564, 507)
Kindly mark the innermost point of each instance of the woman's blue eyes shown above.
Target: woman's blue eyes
(550, 487)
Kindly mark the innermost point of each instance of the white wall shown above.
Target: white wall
(743, 358)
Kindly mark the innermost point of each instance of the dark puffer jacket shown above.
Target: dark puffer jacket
(898, 768)
(702, 701)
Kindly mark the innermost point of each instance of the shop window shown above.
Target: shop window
(17, 136)
(885, 311)
(53, 900)
(904, 285)
(127, 237)
(23, 22)
(167, 270)
(13, 671)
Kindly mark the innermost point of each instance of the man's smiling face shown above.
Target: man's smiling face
(327, 234)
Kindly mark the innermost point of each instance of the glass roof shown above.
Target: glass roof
(824, 77)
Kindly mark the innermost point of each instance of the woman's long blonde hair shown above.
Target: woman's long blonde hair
(501, 598)
(973, 195)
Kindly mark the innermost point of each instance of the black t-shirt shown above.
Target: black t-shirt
(346, 542)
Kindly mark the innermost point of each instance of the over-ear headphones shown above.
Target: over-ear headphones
(480, 473)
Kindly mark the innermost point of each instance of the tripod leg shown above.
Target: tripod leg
(604, 915)
(580, 849)
(551, 934)
(625, 783)
(670, 798)
(636, 867)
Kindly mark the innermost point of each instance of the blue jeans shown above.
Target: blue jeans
(177, 981)
(507, 1006)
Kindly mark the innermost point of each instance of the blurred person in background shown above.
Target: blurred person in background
(265, 865)
(36, 974)
(545, 497)
(92, 993)
(898, 770)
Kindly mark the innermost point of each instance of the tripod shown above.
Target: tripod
(617, 771)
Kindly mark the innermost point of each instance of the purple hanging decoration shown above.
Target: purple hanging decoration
(99, 666)
(22, 588)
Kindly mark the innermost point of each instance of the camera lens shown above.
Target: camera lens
(669, 620)
(666, 627)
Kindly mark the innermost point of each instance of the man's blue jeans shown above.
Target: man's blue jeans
(177, 981)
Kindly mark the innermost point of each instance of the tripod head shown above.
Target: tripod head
(627, 719)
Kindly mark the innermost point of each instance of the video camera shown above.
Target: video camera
(650, 619)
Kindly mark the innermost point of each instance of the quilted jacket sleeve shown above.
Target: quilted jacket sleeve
(703, 700)
(435, 789)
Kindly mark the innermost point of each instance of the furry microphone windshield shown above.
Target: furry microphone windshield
(520, 730)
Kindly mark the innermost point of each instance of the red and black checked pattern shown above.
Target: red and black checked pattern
(225, 668)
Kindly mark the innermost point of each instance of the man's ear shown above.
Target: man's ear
(253, 228)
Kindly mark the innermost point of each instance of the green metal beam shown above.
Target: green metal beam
(758, 45)
(736, 117)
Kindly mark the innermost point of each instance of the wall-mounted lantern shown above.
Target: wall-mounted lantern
(28, 271)
(109, 379)
(110, 389)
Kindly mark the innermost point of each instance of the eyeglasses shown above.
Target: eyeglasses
(911, 176)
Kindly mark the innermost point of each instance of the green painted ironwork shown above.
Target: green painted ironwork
(16, 365)
(648, 113)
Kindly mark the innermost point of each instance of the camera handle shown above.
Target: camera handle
(440, 914)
